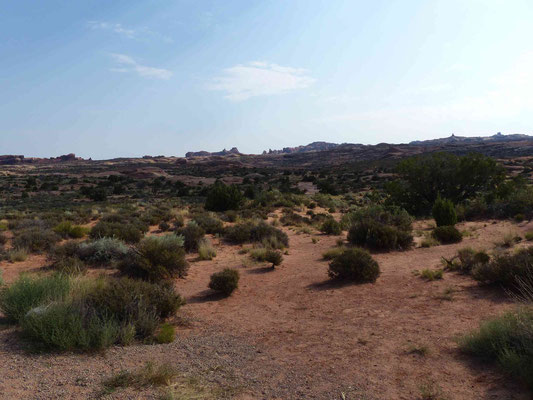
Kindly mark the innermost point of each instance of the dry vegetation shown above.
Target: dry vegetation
(406, 281)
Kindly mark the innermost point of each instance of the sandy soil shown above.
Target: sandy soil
(289, 333)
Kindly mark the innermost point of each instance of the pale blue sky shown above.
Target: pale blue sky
(105, 78)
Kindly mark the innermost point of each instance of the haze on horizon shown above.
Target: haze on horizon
(128, 78)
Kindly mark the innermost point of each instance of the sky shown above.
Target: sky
(107, 79)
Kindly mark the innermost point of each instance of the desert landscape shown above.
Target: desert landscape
(328, 288)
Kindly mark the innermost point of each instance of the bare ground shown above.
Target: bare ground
(289, 333)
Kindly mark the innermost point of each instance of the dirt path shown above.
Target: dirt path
(289, 333)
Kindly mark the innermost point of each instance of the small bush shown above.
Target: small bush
(332, 253)
(263, 254)
(192, 235)
(209, 223)
(166, 334)
(258, 232)
(469, 259)
(431, 275)
(149, 376)
(206, 251)
(164, 226)
(331, 227)
(65, 229)
(447, 234)
(69, 266)
(529, 236)
(444, 212)
(222, 197)
(27, 293)
(17, 255)
(505, 269)
(35, 240)
(225, 281)
(118, 230)
(99, 252)
(3, 239)
(355, 265)
(376, 236)
(156, 258)
(507, 340)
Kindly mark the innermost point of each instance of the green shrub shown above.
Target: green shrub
(225, 281)
(447, 234)
(376, 236)
(529, 236)
(332, 253)
(35, 240)
(164, 226)
(17, 255)
(69, 266)
(506, 269)
(267, 255)
(166, 334)
(507, 340)
(28, 292)
(65, 229)
(99, 252)
(3, 239)
(331, 227)
(444, 212)
(379, 228)
(469, 259)
(209, 223)
(431, 275)
(156, 258)
(256, 231)
(355, 265)
(206, 250)
(221, 197)
(192, 235)
(118, 230)
(69, 326)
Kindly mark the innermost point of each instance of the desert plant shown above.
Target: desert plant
(333, 252)
(355, 265)
(221, 197)
(447, 234)
(102, 251)
(67, 230)
(206, 251)
(225, 281)
(256, 231)
(166, 334)
(192, 235)
(150, 375)
(118, 230)
(35, 240)
(17, 255)
(444, 212)
(210, 223)
(263, 254)
(529, 236)
(376, 236)
(156, 258)
(431, 275)
(29, 292)
(507, 340)
(331, 227)
(506, 269)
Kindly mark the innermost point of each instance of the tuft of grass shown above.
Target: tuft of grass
(332, 253)
(17, 255)
(431, 391)
(166, 334)
(446, 295)
(431, 275)
(206, 251)
(149, 375)
(419, 350)
(506, 340)
(529, 235)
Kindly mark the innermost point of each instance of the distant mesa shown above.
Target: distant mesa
(315, 146)
(453, 139)
(9, 159)
(224, 152)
